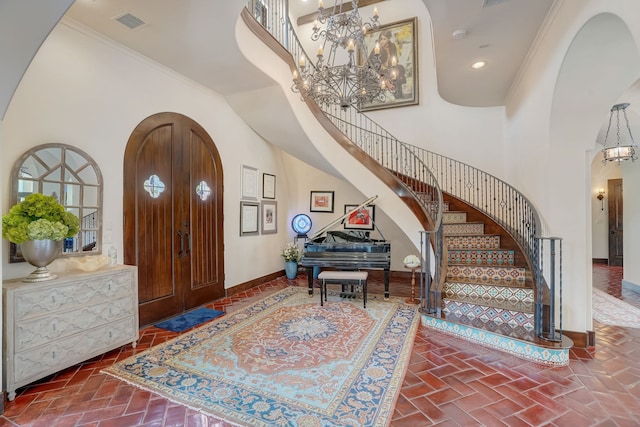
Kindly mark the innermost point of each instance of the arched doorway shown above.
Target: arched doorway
(173, 209)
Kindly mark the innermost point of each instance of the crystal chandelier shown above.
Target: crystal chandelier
(621, 151)
(337, 78)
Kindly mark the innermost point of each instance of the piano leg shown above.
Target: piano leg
(310, 275)
(386, 284)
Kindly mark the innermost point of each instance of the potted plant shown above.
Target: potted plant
(38, 224)
(292, 255)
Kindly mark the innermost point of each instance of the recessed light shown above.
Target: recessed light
(479, 64)
(459, 34)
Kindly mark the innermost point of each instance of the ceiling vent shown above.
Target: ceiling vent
(130, 21)
(487, 3)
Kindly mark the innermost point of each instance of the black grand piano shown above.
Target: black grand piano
(347, 250)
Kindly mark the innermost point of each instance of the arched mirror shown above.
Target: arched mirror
(74, 179)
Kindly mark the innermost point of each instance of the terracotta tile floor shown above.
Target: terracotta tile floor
(450, 382)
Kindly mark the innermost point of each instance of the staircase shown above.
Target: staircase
(491, 231)
(483, 285)
(487, 295)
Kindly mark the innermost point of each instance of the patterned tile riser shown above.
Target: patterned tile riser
(454, 217)
(490, 314)
(481, 257)
(432, 206)
(466, 228)
(473, 242)
(487, 273)
(498, 293)
(518, 348)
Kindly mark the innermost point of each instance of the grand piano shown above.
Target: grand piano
(347, 250)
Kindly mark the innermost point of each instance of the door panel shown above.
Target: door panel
(205, 235)
(615, 222)
(172, 234)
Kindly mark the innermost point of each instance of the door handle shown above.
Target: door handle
(181, 238)
(612, 232)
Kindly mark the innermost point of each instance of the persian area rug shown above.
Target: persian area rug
(613, 311)
(189, 319)
(287, 361)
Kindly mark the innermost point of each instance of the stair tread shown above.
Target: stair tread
(519, 306)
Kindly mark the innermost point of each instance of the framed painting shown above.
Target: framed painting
(249, 183)
(268, 186)
(249, 218)
(396, 40)
(362, 219)
(321, 201)
(269, 217)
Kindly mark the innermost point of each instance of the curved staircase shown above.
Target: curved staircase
(483, 287)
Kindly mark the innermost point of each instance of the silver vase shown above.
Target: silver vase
(40, 253)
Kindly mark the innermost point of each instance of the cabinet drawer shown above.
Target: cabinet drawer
(34, 332)
(71, 295)
(35, 363)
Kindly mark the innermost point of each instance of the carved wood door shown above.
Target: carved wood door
(173, 228)
(615, 222)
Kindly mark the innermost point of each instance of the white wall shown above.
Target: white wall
(555, 114)
(87, 92)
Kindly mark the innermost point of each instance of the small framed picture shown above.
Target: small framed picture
(269, 217)
(362, 219)
(249, 218)
(249, 183)
(321, 201)
(268, 186)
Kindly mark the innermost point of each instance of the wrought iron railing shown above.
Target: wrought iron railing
(425, 173)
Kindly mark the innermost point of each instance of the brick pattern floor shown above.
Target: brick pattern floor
(450, 382)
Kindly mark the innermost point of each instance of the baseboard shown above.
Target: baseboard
(581, 339)
(253, 283)
(600, 261)
(630, 286)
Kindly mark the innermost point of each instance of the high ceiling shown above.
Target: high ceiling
(186, 37)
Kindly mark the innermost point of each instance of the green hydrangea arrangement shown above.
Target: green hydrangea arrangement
(38, 217)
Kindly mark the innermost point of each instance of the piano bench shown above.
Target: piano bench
(343, 278)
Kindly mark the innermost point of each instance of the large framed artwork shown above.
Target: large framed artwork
(249, 183)
(362, 219)
(397, 40)
(321, 201)
(269, 217)
(249, 218)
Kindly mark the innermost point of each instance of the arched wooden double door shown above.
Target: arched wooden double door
(173, 228)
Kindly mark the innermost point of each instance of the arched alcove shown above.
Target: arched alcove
(600, 65)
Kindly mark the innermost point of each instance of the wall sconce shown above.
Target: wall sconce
(600, 197)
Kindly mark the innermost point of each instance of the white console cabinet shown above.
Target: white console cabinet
(52, 325)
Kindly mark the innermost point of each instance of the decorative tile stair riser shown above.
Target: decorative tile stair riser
(473, 242)
(497, 293)
(286, 361)
(519, 317)
(464, 228)
(487, 272)
(481, 257)
(454, 217)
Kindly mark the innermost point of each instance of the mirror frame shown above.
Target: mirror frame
(14, 255)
